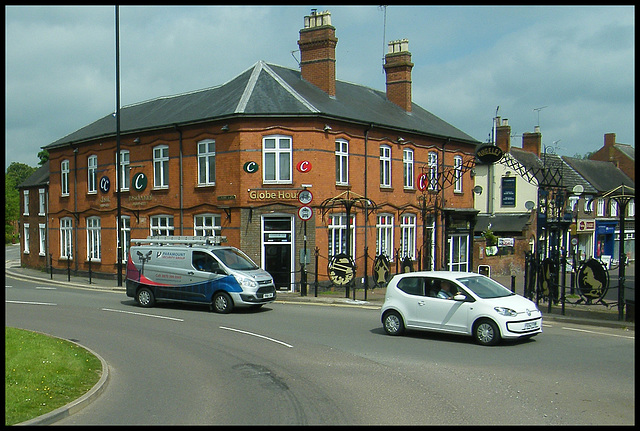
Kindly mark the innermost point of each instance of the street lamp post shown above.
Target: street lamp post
(622, 195)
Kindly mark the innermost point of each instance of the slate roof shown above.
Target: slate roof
(502, 222)
(604, 176)
(40, 177)
(269, 90)
(543, 167)
(627, 150)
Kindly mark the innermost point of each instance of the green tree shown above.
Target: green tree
(16, 174)
(43, 156)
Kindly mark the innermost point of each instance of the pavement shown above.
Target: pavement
(605, 315)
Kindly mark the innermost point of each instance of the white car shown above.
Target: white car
(472, 305)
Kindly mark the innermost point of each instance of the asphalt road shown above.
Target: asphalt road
(304, 364)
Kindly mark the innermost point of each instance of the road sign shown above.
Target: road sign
(305, 213)
(305, 197)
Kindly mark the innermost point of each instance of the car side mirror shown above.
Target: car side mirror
(460, 297)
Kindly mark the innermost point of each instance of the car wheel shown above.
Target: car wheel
(486, 332)
(145, 298)
(222, 303)
(393, 324)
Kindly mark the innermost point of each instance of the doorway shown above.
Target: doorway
(277, 243)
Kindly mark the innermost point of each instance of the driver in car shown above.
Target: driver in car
(447, 291)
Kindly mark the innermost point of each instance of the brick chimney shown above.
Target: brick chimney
(609, 139)
(609, 142)
(532, 142)
(318, 51)
(503, 134)
(397, 66)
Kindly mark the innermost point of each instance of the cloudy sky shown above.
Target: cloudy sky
(569, 70)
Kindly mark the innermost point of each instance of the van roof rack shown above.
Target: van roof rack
(188, 240)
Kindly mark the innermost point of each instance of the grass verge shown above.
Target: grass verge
(43, 373)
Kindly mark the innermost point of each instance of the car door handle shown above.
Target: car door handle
(421, 303)
(190, 273)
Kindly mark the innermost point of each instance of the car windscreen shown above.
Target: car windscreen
(234, 259)
(484, 287)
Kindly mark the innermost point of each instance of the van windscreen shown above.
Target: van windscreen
(234, 259)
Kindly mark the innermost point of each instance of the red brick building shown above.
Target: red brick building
(34, 197)
(621, 155)
(234, 158)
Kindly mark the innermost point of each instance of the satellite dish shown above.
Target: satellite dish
(578, 189)
(529, 205)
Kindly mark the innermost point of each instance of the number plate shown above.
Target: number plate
(531, 325)
(267, 295)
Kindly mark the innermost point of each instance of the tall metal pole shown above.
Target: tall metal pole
(118, 186)
(622, 207)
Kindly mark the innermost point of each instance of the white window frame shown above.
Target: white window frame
(206, 162)
(125, 229)
(337, 229)
(432, 162)
(42, 231)
(631, 208)
(408, 236)
(123, 179)
(573, 201)
(385, 166)
(407, 164)
(384, 235)
(94, 246)
(588, 204)
(92, 174)
(600, 207)
(64, 178)
(456, 245)
(161, 167)
(161, 224)
(206, 224)
(457, 174)
(42, 202)
(613, 208)
(66, 238)
(25, 235)
(342, 162)
(277, 160)
(25, 202)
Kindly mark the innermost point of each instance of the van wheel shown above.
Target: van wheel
(145, 298)
(222, 303)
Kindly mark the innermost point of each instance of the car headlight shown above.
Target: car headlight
(503, 311)
(245, 282)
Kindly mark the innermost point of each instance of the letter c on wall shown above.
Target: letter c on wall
(304, 166)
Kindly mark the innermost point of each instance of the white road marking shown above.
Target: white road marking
(143, 314)
(257, 335)
(599, 333)
(45, 288)
(31, 303)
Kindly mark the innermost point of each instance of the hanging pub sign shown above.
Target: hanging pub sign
(489, 153)
(381, 270)
(593, 280)
(341, 269)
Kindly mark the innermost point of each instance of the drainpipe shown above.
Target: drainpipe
(75, 205)
(366, 207)
(445, 248)
(181, 183)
